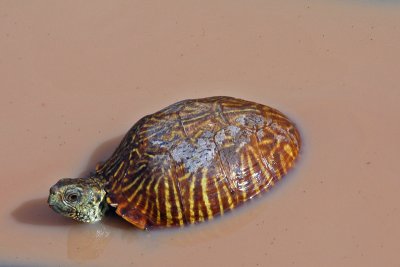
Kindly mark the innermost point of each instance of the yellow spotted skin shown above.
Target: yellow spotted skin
(197, 159)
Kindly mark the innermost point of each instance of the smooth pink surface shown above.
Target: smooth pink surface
(75, 76)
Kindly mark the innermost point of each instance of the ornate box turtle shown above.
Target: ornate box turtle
(185, 164)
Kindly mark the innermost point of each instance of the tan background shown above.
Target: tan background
(75, 75)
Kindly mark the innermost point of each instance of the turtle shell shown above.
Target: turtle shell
(197, 159)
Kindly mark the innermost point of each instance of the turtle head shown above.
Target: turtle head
(82, 199)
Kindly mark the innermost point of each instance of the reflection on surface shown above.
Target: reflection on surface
(87, 241)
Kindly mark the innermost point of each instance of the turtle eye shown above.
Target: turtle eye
(72, 197)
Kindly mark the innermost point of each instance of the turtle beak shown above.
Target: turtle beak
(52, 201)
(53, 198)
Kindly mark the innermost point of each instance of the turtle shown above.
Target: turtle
(185, 164)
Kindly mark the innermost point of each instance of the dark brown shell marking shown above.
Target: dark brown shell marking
(198, 158)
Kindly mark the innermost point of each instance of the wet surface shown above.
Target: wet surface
(71, 88)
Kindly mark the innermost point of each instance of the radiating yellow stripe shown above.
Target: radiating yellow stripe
(199, 117)
(178, 205)
(135, 150)
(146, 205)
(184, 177)
(136, 191)
(191, 199)
(205, 194)
(288, 150)
(148, 192)
(129, 186)
(167, 202)
(266, 141)
(139, 200)
(114, 184)
(137, 168)
(119, 168)
(283, 163)
(221, 207)
(201, 215)
(149, 155)
(228, 196)
(157, 202)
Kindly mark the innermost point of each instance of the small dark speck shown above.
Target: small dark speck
(99, 132)
(304, 191)
(368, 163)
(43, 105)
(10, 102)
(371, 39)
